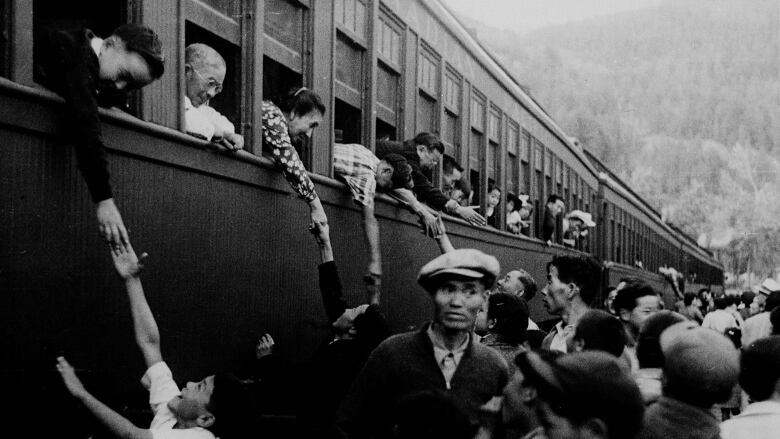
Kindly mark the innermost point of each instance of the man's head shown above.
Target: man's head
(570, 279)
(457, 282)
(556, 204)
(583, 395)
(518, 409)
(599, 331)
(218, 402)
(507, 316)
(519, 283)
(648, 348)
(429, 149)
(204, 73)
(721, 302)
(701, 366)
(760, 364)
(772, 301)
(304, 111)
(452, 171)
(609, 302)
(635, 302)
(691, 299)
(130, 58)
(394, 172)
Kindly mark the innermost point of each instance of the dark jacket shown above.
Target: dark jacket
(669, 418)
(405, 364)
(66, 64)
(425, 190)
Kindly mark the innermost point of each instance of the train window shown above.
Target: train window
(492, 158)
(539, 189)
(228, 101)
(352, 17)
(100, 16)
(566, 192)
(349, 64)
(512, 181)
(525, 159)
(559, 179)
(284, 28)
(428, 83)
(452, 98)
(388, 82)
(476, 143)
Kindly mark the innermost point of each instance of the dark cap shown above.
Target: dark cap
(465, 262)
(585, 385)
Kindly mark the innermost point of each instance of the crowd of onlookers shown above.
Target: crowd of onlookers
(480, 368)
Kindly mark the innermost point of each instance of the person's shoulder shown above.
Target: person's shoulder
(181, 433)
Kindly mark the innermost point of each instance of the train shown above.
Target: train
(231, 257)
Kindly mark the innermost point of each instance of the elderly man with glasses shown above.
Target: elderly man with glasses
(204, 72)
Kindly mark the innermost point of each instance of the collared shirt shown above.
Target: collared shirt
(276, 140)
(559, 340)
(760, 420)
(719, 320)
(447, 359)
(356, 165)
(204, 120)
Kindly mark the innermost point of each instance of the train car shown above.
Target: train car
(636, 242)
(231, 257)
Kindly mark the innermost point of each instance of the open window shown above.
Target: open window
(476, 143)
(286, 40)
(452, 99)
(539, 189)
(389, 44)
(100, 16)
(352, 30)
(512, 180)
(428, 83)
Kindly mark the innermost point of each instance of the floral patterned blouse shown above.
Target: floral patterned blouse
(276, 139)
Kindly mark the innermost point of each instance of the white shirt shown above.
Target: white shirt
(758, 326)
(158, 379)
(204, 120)
(558, 343)
(719, 320)
(532, 326)
(760, 420)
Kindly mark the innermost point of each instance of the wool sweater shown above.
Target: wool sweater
(405, 364)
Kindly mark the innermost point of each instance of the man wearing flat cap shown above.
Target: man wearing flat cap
(442, 356)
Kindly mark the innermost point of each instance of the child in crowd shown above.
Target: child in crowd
(216, 406)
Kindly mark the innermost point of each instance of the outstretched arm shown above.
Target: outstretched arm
(147, 336)
(442, 239)
(427, 219)
(330, 283)
(371, 230)
(117, 424)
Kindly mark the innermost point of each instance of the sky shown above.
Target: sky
(526, 15)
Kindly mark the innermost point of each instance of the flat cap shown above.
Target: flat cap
(465, 262)
(585, 385)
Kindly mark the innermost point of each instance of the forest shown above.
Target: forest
(680, 100)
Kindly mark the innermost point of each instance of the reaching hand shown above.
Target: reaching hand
(264, 347)
(234, 142)
(471, 215)
(321, 232)
(318, 212)
(126, 263)
(110, 224)
(429, 223)
(72, 382)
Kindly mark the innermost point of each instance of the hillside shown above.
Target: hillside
(682, 100)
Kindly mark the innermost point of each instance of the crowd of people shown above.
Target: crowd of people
(480, 368)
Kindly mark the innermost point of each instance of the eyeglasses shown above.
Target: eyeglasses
(212, 83)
